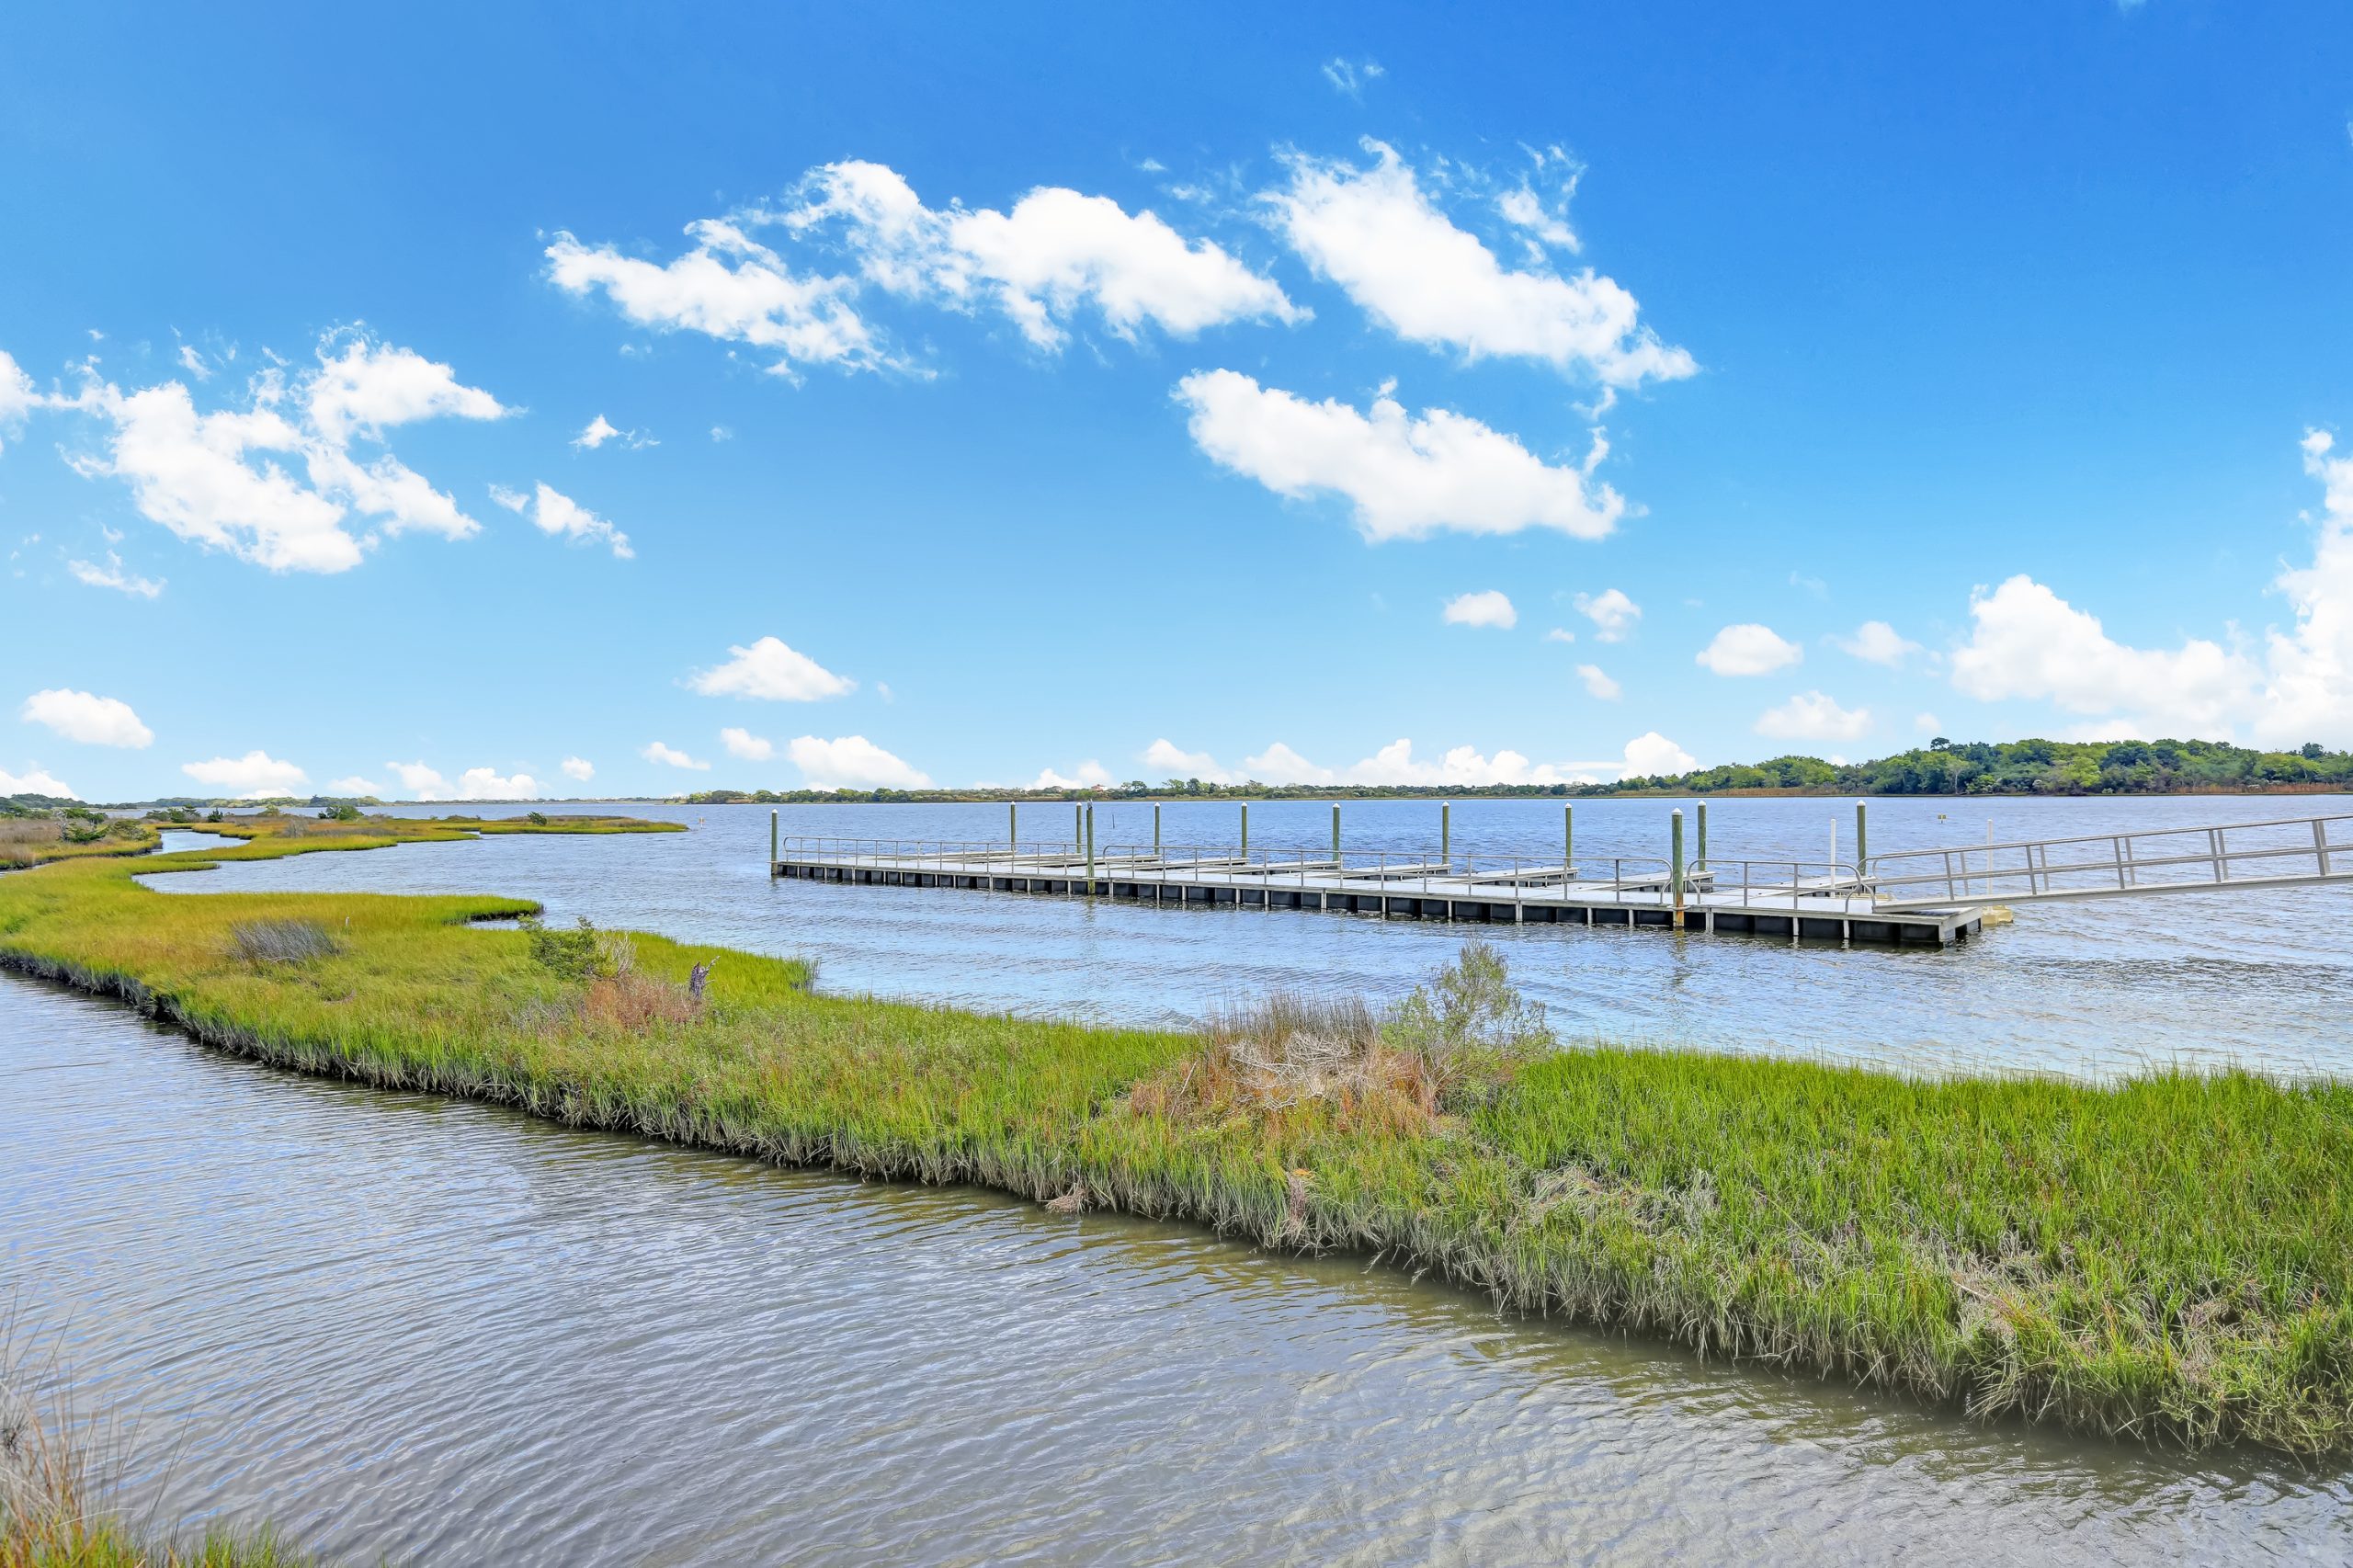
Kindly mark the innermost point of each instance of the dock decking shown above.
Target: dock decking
(1786, 899)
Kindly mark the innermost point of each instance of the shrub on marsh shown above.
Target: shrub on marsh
(1452, 1042)
(259, 942)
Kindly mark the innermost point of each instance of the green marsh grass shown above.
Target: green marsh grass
(2169, 1259)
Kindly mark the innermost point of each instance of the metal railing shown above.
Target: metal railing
(2290, 852)
(1633, 882)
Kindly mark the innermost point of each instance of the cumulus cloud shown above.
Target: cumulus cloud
(425, 783)
(1613, 613)
(112, 575)
(1749, 649)
(852, 762)
(1488, 608)
(92, 720)
(743, 744)
(1373, 231)
(559, 515)
(2310, 693)
(1651, 754)
(356, 785)
(600, 430)
(253, 775)
(1811, 716)
(729, 287)
(1055, 256)
(1406, 476)
(1877, 642)
(2025, 641)
(1460, 765)
(770, 670)
(1559, 634)
(279, 480)
(1165, 759)
(670, 756)
(1091, 774)
(1598, 684)
(578, 767)
(35, 780)
(18, 397)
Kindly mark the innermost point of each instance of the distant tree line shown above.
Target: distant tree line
(2024, 767)
(1941, 768)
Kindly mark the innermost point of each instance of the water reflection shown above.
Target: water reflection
(456, 1335)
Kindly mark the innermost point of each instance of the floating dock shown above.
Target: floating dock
(1921, 897)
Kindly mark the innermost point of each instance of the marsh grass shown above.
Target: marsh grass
(32, 841)
(54, 1487)
(2168, 1258)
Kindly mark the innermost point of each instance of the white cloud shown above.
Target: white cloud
(1374, 231)
(746, 745)
(1406, 476)
(1351, 76)
(35, 780)
(1165, 759)
(1055, 254)
(193, 362)
(421, 782)
(1652, 753)
(515, 501)
(1280, 765)
(1926, 723)
(1749, 649)
(1811, 716)
(2028, 642)
(1613, 613)
(17, 397)
(723, 433)
(217, 478)
(256, 773)
(1598, 684)
(424, 783)
(1559, 634)
(1488, 608)
(1396, 764)
(729, 286)
(1091, 776)
(1877, 642)
(482, 784)
(669, 756)
(2310, 694)
(557, 514)
(770, 670)
(92, 720)
(852, 762)
(578, 767)
(600, 430)
(112, 575)
(355, 784)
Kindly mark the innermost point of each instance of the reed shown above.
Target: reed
(54, 1511)
(2166, 1258)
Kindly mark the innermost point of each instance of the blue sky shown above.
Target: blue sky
(1000, 396)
